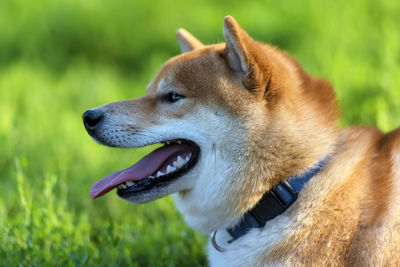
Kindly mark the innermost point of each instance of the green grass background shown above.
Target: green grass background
(59, 58)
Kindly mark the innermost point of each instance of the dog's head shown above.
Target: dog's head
(233, 119)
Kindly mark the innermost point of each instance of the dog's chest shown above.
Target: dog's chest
(251, 249)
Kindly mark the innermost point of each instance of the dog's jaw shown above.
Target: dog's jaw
(209, 205)
(203, 194)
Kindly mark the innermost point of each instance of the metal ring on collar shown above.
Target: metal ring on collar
(214, 243)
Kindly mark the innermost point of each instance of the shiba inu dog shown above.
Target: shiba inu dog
(253, 156)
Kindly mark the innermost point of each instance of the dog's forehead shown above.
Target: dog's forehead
(193, 72)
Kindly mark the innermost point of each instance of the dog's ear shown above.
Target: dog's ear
(186, 41)
(244, 56)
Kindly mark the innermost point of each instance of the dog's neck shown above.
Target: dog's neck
(273, 203)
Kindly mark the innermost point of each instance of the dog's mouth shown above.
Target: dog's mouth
(159, 167)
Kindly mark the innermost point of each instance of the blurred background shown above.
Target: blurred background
(59, 58)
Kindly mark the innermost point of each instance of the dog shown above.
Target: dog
(253, 155)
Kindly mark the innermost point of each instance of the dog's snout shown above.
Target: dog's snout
(91, 119)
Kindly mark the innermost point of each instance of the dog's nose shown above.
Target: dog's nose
(91, 119)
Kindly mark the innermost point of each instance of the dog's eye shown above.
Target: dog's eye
(173, 97)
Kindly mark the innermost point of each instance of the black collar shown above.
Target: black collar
(274, 202)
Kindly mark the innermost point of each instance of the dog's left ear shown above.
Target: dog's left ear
(244, 56)
(186, 41)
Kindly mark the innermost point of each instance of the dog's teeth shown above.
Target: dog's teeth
(175, 164)
(179, 142)
(121, 186)
(151, 177)
(179, 162)
(168, 142)
(187, 158)
(170, 169)
(160, 173)
(130, 183)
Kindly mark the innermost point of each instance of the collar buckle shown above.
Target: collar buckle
(284, 194)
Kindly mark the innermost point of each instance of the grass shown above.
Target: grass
(59, 58)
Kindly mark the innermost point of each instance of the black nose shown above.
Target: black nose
(91, 119)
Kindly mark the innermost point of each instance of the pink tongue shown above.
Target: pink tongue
(142, 169)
